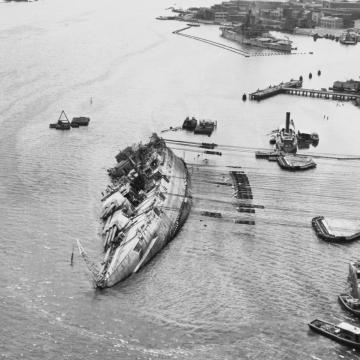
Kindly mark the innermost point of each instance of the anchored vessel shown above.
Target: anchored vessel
(354, 278)
(144, 209)
(350, 304)
(285, 138)
(348, 38)
(343, 333)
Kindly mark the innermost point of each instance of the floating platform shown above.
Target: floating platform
(330, 233)
(80, 121)
(287, 161)
(295, 162)
(63, 122)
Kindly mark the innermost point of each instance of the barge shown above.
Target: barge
(324, 232)
(144, 209)
(295, 162)
(344, 333)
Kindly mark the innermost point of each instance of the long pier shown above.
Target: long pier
(293, 87)
(321, 94)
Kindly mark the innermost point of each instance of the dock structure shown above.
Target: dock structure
(275, 90)
(321, 94)
(293, 87)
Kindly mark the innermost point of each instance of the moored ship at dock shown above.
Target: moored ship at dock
(144, 209)
(252, 33)
(354, 278)
(348, 38)
(266, 41)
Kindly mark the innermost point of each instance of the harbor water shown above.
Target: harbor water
(219, 290)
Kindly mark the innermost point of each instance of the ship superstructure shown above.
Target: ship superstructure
(285, 137)
(252, 33)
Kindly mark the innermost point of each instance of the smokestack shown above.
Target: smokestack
(287, 121)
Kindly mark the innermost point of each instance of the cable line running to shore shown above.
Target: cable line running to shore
(210, 42)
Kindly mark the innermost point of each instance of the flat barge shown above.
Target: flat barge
(144, 209)
(295, 162)
(344, 333)
(323, 231)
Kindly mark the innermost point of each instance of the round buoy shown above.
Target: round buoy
(244, 97)
(310, 75)
(319, 73)
(301, 78)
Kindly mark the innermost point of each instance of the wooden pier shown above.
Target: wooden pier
(293, 87)
(321, 94)
(275, 90)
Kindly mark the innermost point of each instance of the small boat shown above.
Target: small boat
(189, 124)
(354, 278)
(350, 304)
(62, 123)
(286, 139)
(80, 121)
(307, 139)
(193, 24)
(244, 97)
(344, 333)
(348, 38)
(205, 127)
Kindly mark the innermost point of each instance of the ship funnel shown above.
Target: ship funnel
(287, 122)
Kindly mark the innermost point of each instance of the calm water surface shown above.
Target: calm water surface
(220, 291)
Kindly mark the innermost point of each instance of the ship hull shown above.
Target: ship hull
(241, 39)
(154, 223)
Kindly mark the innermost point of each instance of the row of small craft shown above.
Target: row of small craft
(344, 333)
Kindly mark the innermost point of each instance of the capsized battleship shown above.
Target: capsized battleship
(142, 211)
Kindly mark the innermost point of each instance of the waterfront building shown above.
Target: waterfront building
(327, 4)
(331, 22)
(316, 17)
(220, 17)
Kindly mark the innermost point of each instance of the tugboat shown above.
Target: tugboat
(286, 140)
(348, 38)
(354, 278)
(343, 333)
(143, 210)
(350, 304)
